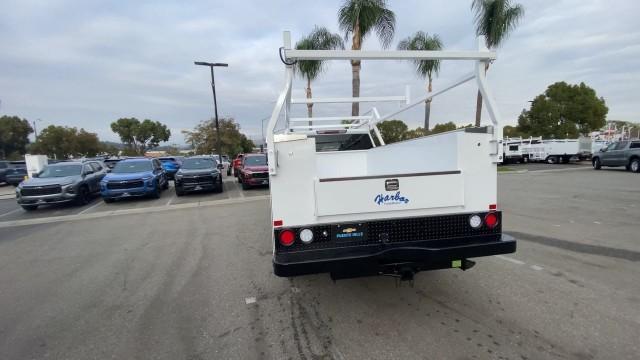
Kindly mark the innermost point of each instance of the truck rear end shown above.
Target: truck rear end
(397, 209)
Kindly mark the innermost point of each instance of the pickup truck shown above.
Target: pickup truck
(349, 206)
(622, 153)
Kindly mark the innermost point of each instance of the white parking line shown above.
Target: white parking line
(250, 300)
(536, 267)
(511, 260)
(100, 202)
(10, 212)
(171, 200)
(132, 211)
(239, 189)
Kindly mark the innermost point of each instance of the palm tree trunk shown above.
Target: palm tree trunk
(479, 100)
(355, 69)
(355, 85)
(309, 105)
(427, 108)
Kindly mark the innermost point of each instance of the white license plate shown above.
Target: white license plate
(198, 187)
(265, 182)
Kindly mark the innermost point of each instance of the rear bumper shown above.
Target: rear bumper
(256, 181)
(132, 192)
(388, 258)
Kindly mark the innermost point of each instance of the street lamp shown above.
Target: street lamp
(215, 102)
(35, 131)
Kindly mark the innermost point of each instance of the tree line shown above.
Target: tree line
(357, 19)
(396, 130)
(562, 111)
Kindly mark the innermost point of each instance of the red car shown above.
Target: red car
(237, 164)
(254, 171)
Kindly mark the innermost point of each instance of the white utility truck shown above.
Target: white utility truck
(555, 151)
(346, 205)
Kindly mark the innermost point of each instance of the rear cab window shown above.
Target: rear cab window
(342, 142)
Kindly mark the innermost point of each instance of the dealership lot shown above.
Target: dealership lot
(190, 278)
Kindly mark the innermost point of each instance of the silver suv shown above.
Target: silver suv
(69, 181)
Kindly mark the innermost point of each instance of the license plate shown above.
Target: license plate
(125, 194)
(265, 182)
(198, 187)
(349, 232)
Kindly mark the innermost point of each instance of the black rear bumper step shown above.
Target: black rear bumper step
(386, 259)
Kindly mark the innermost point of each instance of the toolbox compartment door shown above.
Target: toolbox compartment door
(368, 194)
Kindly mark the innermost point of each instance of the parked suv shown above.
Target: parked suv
(134, 177)
(198, 173)
(622, 153)
(16, 172)
(171, 165)
(63, 182)
(4, 165)
(254, 171)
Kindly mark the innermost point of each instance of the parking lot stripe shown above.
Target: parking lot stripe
(170, 200)
(91, 207)
(10, 212)
(511, 260)
(536, 267)
(144, 210)
(250, 300)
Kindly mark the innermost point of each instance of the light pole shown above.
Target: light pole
(215, 102)
(35, 131)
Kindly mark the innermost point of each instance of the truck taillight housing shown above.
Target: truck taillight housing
(491, 220)
(286, 237)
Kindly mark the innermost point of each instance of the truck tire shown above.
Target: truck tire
(596, 163)
(82, 198)
(552, 159)
(156, 192)
(634, 165)
(218, 188)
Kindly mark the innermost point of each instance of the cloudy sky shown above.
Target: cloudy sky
(88, 63)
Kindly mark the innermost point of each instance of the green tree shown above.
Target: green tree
(440, 128)
(14, 136)
(424, 68)
(495, 20)
(203, 138)
(63, 142)
(319, 39)
(510, 131)
(139, 136)
(358, 18)
(392, 130)
(564, 110)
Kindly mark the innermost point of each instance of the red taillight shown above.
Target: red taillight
(277, 223)
(493, 207)
(491, 220)
(287, 237)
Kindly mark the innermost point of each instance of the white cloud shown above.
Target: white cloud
(87, 63)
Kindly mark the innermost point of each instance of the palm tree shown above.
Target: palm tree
(319, 39)
(358, 18)
(494, 19)
(424, 68)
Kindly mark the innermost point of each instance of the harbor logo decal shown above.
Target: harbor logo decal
(390, 199)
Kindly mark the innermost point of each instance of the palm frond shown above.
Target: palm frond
(496, 19)
(319, 39)
(423, 41)
(368, 15)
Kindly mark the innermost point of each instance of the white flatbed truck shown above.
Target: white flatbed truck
(344, 206)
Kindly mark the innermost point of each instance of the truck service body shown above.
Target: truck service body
(356, 210)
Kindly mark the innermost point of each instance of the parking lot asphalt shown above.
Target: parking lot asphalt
(191, 278)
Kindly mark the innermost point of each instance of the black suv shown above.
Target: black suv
(69, 181)
(198, 173)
